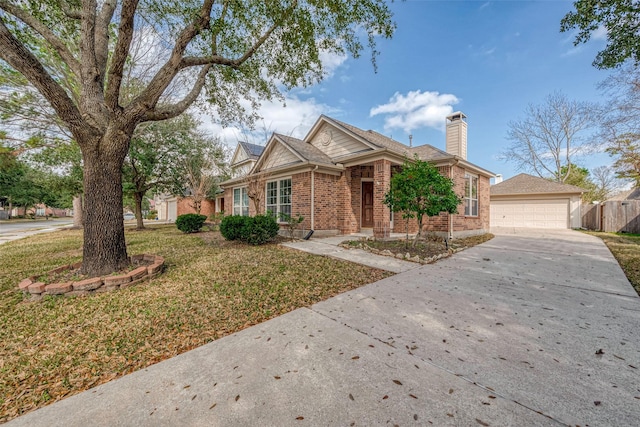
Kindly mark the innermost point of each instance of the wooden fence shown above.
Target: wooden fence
(612, 216)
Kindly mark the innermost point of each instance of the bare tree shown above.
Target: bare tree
(620, 121)
(227, 51)
(605, 182)
(256, 188)
(204, 169)
(550, 136)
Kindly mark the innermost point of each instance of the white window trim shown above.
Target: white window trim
(469, 177)
(278, 204)
(241, 205)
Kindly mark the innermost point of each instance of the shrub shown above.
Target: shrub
(291, 223)
(231, 226)
(190, 223)
(259, 230)
(153, 214)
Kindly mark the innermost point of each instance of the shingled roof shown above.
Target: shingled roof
(306, 151)
(424, 152)
(529, 184)
(253, 151)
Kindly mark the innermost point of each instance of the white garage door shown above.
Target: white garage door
(545, 213)
(172, 210)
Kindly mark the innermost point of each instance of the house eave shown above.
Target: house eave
(470, 166)
(306, 166)
(536, 194)
(370, 156)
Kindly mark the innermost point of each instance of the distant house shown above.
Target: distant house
(534, 202)
(337, 175)
(170, 207)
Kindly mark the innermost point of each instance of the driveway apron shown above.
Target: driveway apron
(529, 328)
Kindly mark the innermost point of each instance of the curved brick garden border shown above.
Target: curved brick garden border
(93, 285)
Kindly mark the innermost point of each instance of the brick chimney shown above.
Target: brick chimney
(457, 135)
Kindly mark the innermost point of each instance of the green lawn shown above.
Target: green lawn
(626, 249)
(211, 288)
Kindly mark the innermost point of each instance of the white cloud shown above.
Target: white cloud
(416, 109)
(600, 33)
(331, 62)
(295, 118)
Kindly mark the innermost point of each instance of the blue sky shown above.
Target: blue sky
(486, 59)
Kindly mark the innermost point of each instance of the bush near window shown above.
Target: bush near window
(190, 223)
(259, 230)
(231, 226)
(256, 230)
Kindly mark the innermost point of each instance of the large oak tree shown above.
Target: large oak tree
(76, 53)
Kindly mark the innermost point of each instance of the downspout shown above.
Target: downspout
(450, 217)
(313, 196)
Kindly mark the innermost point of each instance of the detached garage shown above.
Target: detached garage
(533, 202)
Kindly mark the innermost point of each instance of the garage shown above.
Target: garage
(530, 213)
(532, 202)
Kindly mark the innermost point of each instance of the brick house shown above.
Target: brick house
(336, 177)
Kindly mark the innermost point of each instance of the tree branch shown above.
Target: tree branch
(73, 14)
(45, 32)
(20, 58)
(102, 34)
(175, 110)
(149, 97)
(120, 53)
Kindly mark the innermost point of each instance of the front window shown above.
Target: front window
(470, 195)
(240, 201)
(279, 198)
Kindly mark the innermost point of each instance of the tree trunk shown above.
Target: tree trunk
(77, 211)
(419, 233)
(105, 250)
(137, 196)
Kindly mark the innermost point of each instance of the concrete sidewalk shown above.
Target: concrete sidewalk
(521, 330)
(328, 246)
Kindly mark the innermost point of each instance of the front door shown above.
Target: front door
(367, 204)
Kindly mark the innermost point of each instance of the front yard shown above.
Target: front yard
(211, 288)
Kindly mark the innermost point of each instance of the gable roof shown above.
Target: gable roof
(253, 150)
(372, 137)
(424, 152)
(305, 150)
(529, 184)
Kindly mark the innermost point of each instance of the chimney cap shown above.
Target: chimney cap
(458, 115)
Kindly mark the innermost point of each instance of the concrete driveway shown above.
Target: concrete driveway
(527, 329)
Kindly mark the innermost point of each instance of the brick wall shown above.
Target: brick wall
(461, 224)
(326, 201)
(301, 197)
(381, 213)
(470, 224)
(347, 220)
(208, 206)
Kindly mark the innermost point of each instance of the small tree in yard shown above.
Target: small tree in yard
(419, 190)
